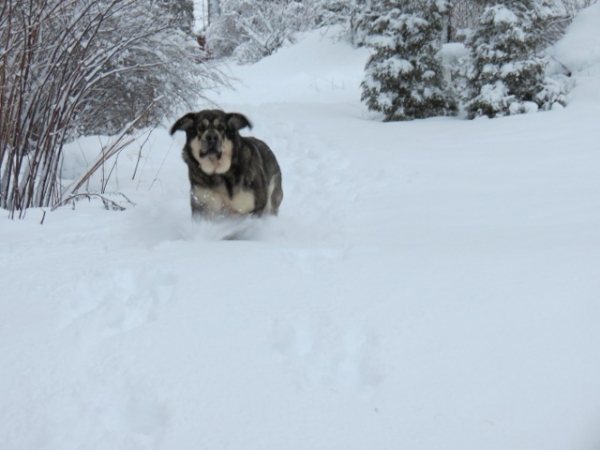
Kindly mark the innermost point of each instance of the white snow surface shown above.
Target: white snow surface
(427, 285)
(579, 51)
(580, 48)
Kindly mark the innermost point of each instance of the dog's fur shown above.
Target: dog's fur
(230, 175)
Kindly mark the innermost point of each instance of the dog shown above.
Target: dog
(230, 175)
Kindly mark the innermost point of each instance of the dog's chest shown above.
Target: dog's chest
(218, 201)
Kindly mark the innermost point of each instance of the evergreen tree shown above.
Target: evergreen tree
(404, 77)
(506, 76)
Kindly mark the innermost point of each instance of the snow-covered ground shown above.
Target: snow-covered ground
(428, 285)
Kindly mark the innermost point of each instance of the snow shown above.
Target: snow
(580, 48)
(579, 51)
(502, 15)
(428, 285)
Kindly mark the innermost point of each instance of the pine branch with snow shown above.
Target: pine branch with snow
(404, 77)
(506, 75)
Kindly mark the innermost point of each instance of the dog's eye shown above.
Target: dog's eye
(220, 127)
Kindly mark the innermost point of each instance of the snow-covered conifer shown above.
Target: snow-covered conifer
(404, 77)
(506, 75)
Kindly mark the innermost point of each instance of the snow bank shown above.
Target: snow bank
(319, 67)
(579, 51)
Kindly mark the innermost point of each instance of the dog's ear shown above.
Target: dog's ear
(184, 124)
(238, 121)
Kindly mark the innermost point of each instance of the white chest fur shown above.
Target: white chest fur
(210, 164)
(217, 201)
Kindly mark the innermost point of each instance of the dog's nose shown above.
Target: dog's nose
(211, 138)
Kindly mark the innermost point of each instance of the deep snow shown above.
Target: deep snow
(428, 285)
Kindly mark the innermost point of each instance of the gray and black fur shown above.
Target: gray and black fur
(230, 175)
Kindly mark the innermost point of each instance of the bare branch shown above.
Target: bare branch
(69, 67)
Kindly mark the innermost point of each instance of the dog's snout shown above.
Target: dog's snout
(212, 138)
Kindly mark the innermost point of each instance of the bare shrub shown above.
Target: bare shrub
(249, 30)
(69, 67)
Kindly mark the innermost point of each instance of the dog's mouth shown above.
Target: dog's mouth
(212, 151)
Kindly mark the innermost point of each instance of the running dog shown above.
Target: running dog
(230, 175)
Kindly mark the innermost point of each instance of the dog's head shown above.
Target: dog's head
(212, 136)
